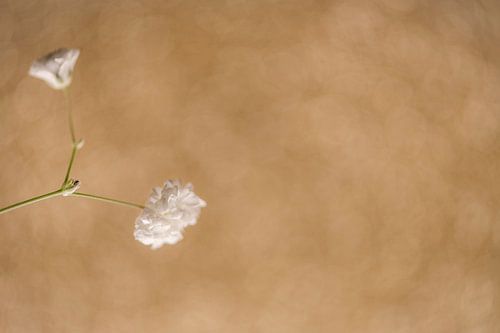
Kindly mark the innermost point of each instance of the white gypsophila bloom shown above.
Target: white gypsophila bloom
(56, 68)
(168, 211)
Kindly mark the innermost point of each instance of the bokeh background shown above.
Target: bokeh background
(349, 152)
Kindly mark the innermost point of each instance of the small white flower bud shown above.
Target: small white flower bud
(56, 68)
(70, 187)
(79, 144)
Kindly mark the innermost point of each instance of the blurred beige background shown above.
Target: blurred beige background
(349, 152)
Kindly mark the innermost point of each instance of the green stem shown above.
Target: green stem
(71, 160)
(115, 201)
(72, 133)
(70, 116)
(31, 201)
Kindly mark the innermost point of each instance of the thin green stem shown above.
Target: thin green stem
(75, 145)
(70, 115)
(31, 201)
(71, 160)
(110, 200)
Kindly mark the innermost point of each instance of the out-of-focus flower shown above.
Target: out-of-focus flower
(168, 211)
(56, 68)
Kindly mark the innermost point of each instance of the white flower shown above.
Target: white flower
(168, 211)
(56, 67)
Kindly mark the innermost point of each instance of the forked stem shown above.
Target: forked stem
(69, 186)
(61, 192)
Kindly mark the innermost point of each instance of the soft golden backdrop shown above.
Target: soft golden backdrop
(349, 152)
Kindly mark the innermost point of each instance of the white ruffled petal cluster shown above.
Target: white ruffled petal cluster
(168, 211)
(56, 68)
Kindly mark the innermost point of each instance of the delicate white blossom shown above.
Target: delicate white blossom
(168, 211)
(56, 68)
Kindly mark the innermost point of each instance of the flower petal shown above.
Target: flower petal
(168, 211)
